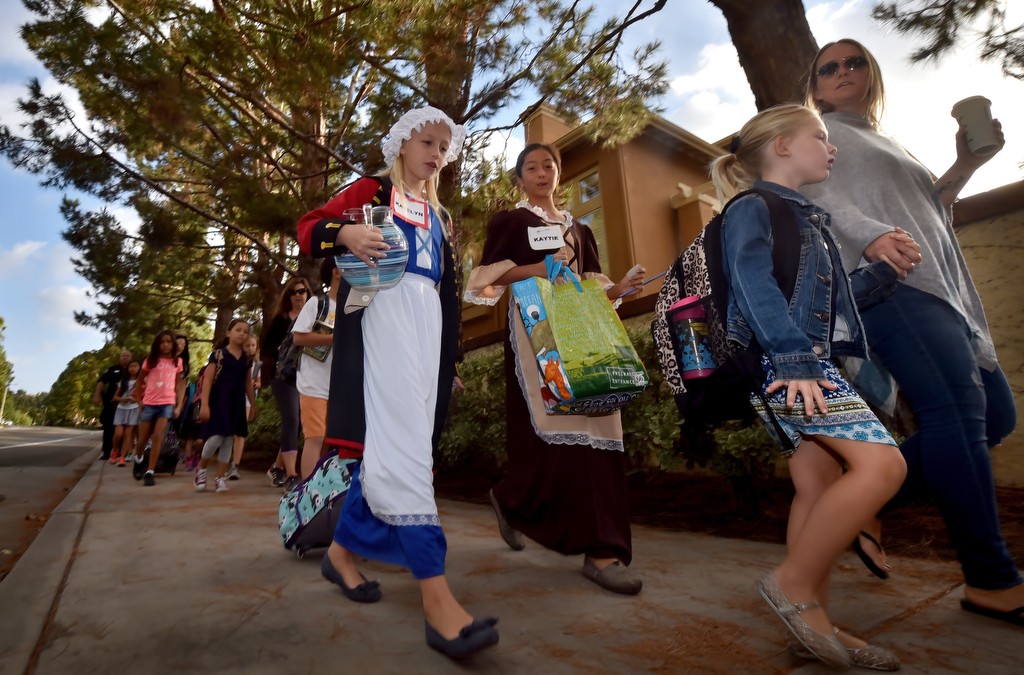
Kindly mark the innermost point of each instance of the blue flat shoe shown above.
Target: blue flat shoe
(368, 591)
(473, 638)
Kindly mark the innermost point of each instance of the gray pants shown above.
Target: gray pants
(224, 443)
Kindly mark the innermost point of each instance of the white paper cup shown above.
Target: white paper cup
(975, 114)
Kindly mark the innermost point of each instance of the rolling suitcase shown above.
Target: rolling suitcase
(308, 515)
(170, 455)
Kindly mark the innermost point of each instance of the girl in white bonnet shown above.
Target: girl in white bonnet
(402, 348)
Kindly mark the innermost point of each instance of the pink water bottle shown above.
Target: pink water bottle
(691, 338)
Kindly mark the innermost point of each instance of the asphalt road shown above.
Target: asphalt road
(38, 467)
(43, 446)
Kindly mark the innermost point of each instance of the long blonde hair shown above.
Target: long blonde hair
(739, 169)
(396, 172)
(875, 95)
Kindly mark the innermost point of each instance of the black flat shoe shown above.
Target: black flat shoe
(879, 572)
(473, 638)
(368, 591)
(1014, 616)
(511, 536)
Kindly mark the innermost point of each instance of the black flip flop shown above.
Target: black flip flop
(866, 559)
(1014, 616)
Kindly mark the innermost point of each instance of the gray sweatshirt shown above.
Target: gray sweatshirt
(876, 185)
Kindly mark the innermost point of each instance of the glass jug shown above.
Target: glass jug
(389, 269)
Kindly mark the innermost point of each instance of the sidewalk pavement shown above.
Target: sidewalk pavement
(125, 578)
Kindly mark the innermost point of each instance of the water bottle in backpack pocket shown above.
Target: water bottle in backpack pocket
(691, 338)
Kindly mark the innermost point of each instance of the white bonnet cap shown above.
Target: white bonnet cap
(414, 120)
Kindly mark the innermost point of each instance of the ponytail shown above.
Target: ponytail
(729, 177)
(739, 169)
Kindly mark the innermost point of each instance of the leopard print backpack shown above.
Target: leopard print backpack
(698, 271)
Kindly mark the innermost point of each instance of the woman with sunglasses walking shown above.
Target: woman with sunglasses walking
(286, 396)
(930, 337)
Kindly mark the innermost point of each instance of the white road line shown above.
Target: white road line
(25, 445)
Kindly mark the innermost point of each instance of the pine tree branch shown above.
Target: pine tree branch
(135, 175)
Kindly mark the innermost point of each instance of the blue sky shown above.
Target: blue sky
(710, 97)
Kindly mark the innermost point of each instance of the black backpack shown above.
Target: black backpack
(698, 271)
(288, 353)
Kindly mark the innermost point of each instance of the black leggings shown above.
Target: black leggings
(287, 398)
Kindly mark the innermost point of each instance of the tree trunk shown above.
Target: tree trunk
(775, 46)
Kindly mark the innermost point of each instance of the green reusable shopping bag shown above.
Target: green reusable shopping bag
(586, 361)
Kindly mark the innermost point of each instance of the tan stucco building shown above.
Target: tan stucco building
(990, 227)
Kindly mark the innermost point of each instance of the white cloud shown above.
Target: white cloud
(60, 302)
(42, 334)
(127, 217)
(715, 99)
(10, 92)
(717, 68)
(58, 264)
(503, 146)
(15, 260)
(13, 51)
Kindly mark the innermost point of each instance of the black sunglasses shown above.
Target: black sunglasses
(297, 291)
(851, 62)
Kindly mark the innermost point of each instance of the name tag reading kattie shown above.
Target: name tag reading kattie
(412, 211)
(546, 238)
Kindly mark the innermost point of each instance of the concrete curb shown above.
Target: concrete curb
(31, 589)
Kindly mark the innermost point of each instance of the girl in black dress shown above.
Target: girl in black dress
(226, 387)
(565, 479)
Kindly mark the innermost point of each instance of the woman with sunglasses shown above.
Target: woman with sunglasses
(930, 337)
(293, 297)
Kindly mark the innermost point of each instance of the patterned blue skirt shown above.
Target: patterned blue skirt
(848, 416)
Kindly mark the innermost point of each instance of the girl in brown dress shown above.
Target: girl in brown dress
(565, 484)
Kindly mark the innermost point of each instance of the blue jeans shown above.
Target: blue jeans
(153, 412)
(962, 411)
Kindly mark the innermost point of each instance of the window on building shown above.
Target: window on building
(590, 188)
(586, 206)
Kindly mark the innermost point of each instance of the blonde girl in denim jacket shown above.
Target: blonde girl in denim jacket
(823, 426)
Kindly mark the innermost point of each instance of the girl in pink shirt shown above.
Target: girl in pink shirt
(161, 390)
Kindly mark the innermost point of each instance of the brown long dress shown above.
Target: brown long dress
(570, 498)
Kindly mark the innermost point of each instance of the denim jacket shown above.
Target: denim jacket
(821, 319)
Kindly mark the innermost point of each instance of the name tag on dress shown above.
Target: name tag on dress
(546, 238)
(412, 211)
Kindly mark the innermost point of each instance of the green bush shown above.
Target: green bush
(476, 415)
(262, 442)
(650, 424)
(744, 451)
